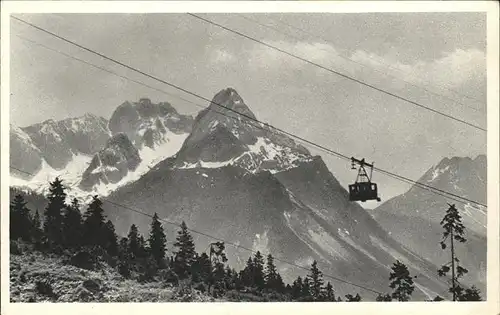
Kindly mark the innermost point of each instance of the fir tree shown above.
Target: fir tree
(201, 270)
(350, 298)
(279, 284)
(329, 293)
(271, 275)
(123, 250)
(111, 239)
(93, 225)
(258, 270)
(185, 254)
(37, 232)
(306, 288)
(383, 298)
(53, 227)
(218, 259)
(454, 230)
(72, 225)
(471, 294)
(157, 241)
(247, 274)
(297, 288)
(20, 221)
(316, 281)
(402, 283)
(133, 246)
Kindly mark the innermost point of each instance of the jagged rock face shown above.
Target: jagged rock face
(59, 141)
(24, 155)
(112, 163)
(146, 123)
(223, 137)
(414, 217)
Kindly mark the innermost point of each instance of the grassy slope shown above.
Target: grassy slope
(67, 283)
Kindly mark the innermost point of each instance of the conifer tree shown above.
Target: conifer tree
(73, 225)
(402, 283)
(20, 221)
(52, 223)
(37, 233)
(133, 246)
(271, 275)
(258, 270)
(454, 230)
(279, 284)
(471, 294)
(383, 298)
(329, 293)
(201, 270)
(123, 251)
(185, 254)
(93, 226)
(157, 241)
(297, 288)
(217, 260)
(111, 239)
(306, 288)
(247, 274)
(316, 281)
(350, 298)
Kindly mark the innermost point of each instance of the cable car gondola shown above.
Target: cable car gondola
(363, 189)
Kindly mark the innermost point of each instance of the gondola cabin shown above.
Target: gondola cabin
(363, 192)
(363, 189)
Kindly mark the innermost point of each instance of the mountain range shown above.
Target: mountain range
(238, 180)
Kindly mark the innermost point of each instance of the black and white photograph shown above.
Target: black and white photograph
(201, 156)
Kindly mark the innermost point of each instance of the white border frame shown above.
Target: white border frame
(489, 307)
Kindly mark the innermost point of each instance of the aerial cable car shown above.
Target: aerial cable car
(363, 189)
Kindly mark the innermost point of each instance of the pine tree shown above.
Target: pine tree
(185, 254)
(157, 241)
(329, 293)
(306, 288)
(247, 274)
(454, 230)
(111, 239)
(402, 283)
(471, 294)
(258, 270)
(72, 225)
(20, 221)
(218, 259)
(316, 281)
(53, 227)
(37, 233)
(93, 226)
(280, 284)
(383, 298)
(350, 298)
(297, 288)
(271, 275)
(201, 270)
(133, 246)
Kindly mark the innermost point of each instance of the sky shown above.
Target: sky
(435, 59)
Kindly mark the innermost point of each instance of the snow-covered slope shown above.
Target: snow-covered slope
(85, 153)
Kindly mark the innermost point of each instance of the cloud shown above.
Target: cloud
(463, 70)
(453, 70)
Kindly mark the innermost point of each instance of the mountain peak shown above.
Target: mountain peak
(230, 99)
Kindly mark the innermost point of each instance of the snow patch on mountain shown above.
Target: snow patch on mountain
(149, 158)
(436, 172)
(70, 175)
